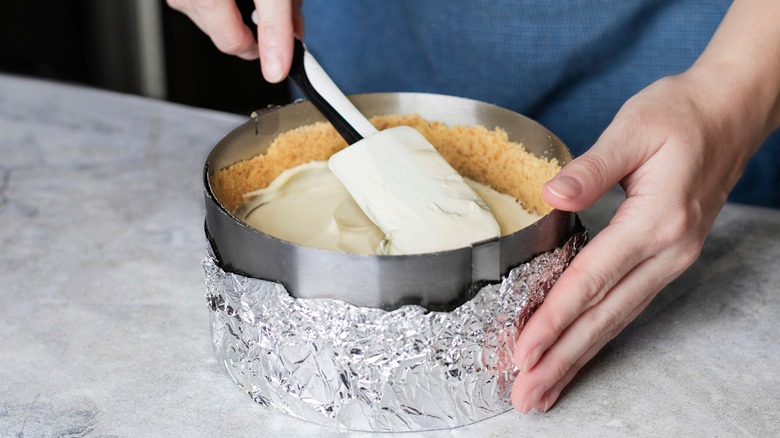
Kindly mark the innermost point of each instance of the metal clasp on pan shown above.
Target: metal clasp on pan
(486, 261)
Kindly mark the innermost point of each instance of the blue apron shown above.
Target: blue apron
(568, 64)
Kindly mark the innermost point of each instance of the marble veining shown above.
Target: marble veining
(104, 329)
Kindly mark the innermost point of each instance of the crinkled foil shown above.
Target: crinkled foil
(367, 369)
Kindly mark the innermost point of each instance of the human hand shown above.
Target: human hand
(677, 149)
(278, 21)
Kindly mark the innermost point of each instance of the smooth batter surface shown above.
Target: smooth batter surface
(309, 206)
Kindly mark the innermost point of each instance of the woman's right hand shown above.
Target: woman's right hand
(277, 22)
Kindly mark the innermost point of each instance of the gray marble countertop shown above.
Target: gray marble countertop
(104, 328)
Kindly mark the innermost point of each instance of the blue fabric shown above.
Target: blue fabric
(568, 64)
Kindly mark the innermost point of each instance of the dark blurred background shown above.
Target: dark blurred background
(132, 46)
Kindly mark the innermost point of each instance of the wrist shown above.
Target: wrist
(742, 103)
(741, 65)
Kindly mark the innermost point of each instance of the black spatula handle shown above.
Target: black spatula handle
(299, 74)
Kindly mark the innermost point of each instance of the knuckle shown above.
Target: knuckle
(560, 366)
(268, 29)
(682, 225)
(553, 322)
(179, 5)
(609, 322)
(577, 366)
(231, 44)
(689, 254)
(593, 285)
(676, 227)
(542, 330)
(595, 166)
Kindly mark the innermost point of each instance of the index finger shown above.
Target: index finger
(275, 38)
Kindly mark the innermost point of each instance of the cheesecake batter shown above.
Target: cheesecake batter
(309, 206)
(410, 191)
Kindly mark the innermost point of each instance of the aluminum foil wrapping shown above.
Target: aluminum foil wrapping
(368, 369)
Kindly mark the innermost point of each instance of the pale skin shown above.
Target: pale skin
(677, 148)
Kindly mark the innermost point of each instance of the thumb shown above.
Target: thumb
(584, 180)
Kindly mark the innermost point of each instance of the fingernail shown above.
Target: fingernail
(533, 398)
(532, 358)
(272, 66)
(551, 398)
(564, 187)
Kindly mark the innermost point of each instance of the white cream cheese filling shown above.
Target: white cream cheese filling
(407, 188)
(309, 206)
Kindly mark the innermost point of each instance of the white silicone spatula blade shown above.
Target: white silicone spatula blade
(410, 191)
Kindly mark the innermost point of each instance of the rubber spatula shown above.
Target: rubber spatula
(396, 176)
